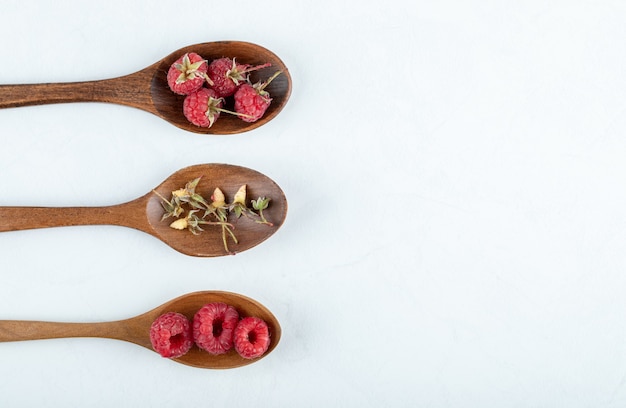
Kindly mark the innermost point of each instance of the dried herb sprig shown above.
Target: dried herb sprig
(239, 207)
(192, 211)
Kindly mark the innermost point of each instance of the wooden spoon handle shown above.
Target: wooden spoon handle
(132, 90)
(21, 218)
(19, 330)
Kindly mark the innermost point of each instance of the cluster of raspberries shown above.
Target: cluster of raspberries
(215, 328)
(206, 85)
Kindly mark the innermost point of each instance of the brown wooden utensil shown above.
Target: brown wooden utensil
(145, 213)
(137, 329)
(148, 90)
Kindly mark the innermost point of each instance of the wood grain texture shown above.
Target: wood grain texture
(145, 213)
(148, 90)
(137, 329)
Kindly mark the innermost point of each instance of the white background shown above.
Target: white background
(456, 234)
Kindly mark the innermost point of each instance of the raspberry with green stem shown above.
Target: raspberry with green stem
(203, 107)
(251, 101)
(226, 74)
(187, 74)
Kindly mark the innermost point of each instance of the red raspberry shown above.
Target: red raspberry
(226, 75)
(252, 337)
(170, 335)
(251, 101)
(213, 327)
(203, 107)
(187, 74)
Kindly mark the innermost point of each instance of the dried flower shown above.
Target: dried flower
(180, 224)
(186, 204)
(261, 204)
(217, 198)
(240, 196)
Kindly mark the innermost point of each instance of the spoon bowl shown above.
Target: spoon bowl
(169, 105)
(145, 213)
(228, 178)
(148, 89)
(137, 329)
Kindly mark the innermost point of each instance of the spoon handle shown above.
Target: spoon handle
(20, 330)
(131, 214)
(132, 90)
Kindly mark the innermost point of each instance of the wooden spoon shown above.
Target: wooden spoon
(148, 90)
(145, 213)
(137, 329)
